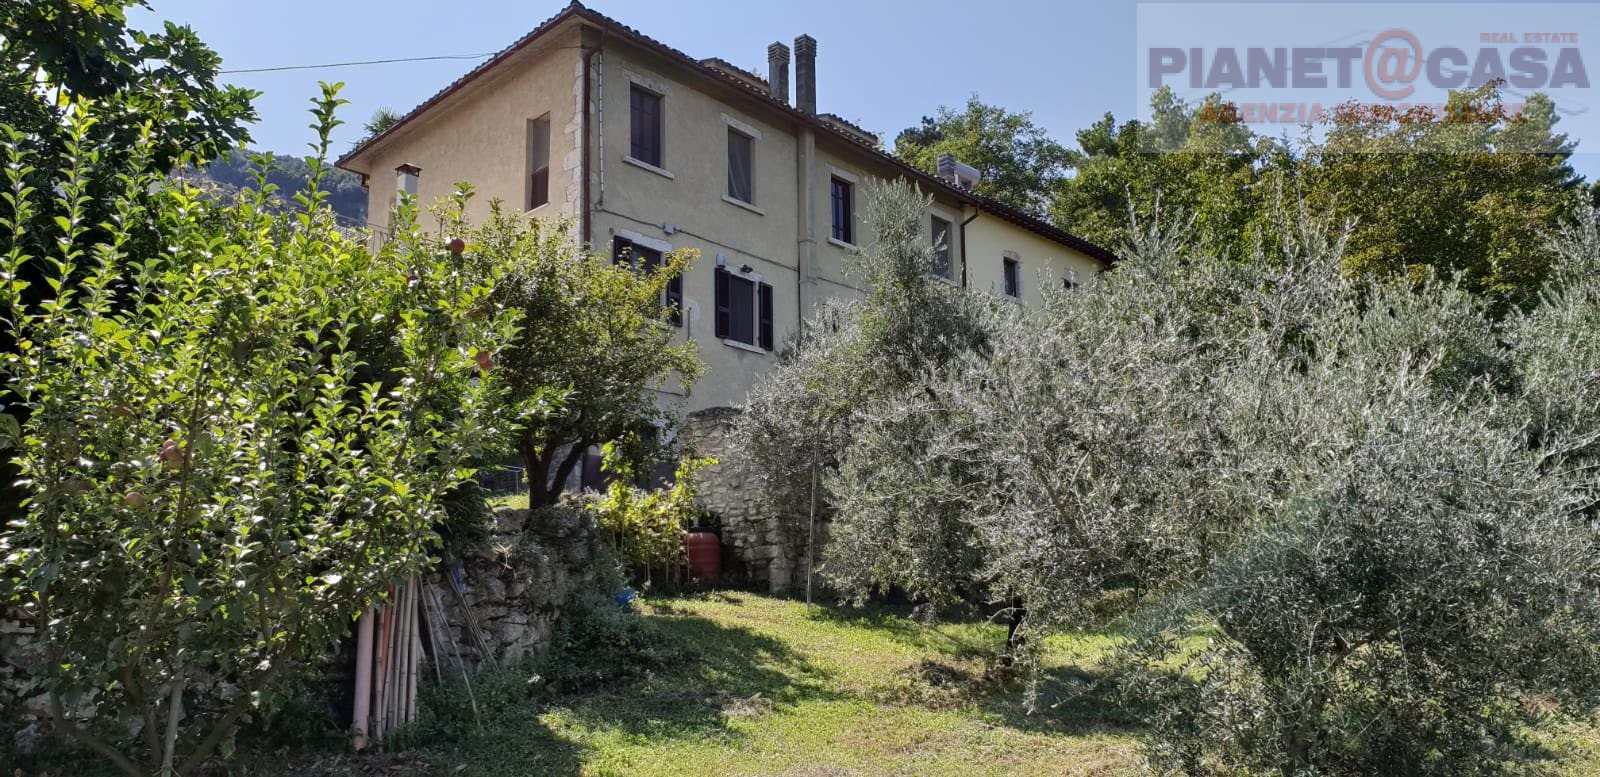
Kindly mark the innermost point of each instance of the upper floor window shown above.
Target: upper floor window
(646, 110)
(744, 309)
(741, 182)
(843, 211)
(645, 259)
(941, 247)
(1012, 278)
(538, 161)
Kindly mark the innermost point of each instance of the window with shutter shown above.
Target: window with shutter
(741, 310)
(674, 301)
(644, 260)
(744, 310)
(723, 312)
(843, 212)
(1012, 278)
(764, 293)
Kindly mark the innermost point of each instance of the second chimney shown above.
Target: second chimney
(805, 74)
(778, 72)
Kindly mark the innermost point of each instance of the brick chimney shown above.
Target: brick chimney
(778, 72)
(805, 74)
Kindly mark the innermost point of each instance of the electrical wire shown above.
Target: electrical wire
(352, 64)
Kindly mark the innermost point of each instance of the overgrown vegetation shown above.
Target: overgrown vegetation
(231, 445)
(1374, 499)
(647, 521)
(600, 336)
(1472, 193)
(60, 56)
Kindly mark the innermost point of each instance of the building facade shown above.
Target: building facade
(649, 150)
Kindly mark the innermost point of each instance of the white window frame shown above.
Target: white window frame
(527, 177)
(751, 135)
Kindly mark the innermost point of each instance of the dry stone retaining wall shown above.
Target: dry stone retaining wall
(758, 547)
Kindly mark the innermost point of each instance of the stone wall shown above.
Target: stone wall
(758, 548)
(516, 584)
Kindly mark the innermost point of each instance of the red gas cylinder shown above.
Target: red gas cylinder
(705, 556)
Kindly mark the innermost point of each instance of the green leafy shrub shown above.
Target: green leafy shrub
(601, 642)
(599, 334)
(233, 443)
(646, 525)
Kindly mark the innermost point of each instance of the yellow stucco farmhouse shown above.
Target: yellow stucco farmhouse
(650, 150)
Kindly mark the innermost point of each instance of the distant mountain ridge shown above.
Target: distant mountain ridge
(236, 171)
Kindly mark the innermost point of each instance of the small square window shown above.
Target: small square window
(741, 182)
(646, 126)
(1013, 278)
(843, 212)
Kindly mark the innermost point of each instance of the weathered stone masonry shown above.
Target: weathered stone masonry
(758, 547)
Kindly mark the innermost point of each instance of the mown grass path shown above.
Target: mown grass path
(775, 688)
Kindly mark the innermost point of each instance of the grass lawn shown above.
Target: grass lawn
(767, 686)
(512, 501)
(777, 689)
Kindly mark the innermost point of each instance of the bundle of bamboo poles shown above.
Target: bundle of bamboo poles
(388, 652)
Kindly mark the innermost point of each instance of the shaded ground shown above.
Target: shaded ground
(785, 691)
(741, 684)
(768, 687)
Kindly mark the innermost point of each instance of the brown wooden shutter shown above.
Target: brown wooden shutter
(764, 291)
(675, 301)
(724, 312)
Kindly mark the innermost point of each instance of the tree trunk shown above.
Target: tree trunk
(544, 486)
(537, 463)
(1014, 640)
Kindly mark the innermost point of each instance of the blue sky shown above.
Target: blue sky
(883, 64)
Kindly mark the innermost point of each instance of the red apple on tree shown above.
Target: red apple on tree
(171, 455)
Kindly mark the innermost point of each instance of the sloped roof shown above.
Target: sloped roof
(821, 123)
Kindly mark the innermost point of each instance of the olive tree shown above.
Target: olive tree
(232, 444)
(1327, 500)
(801, 416)
(1418, 597)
